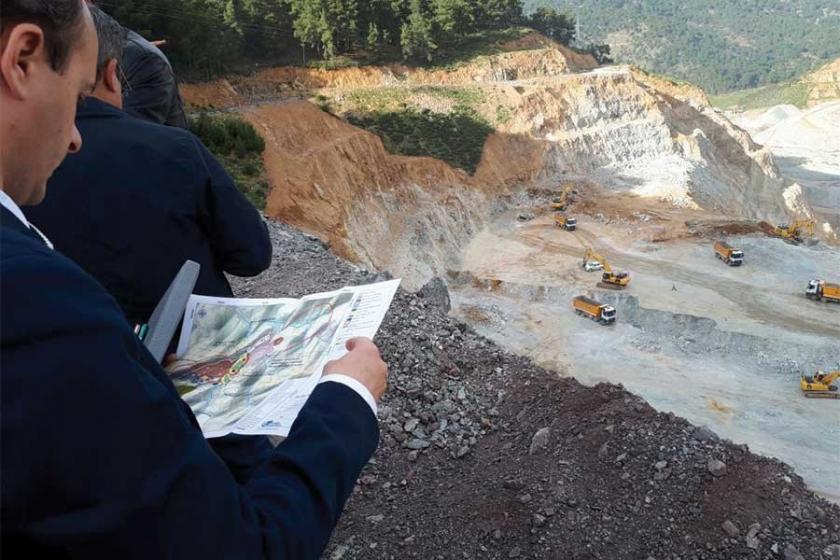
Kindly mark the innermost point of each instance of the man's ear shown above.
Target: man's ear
(23, 53)
(110, 77)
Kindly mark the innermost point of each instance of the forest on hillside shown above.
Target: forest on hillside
(721, 45)
(205, 37)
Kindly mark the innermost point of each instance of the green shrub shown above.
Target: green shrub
(456, 138)
(239, 148)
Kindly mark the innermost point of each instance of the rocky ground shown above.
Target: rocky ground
(485, 455)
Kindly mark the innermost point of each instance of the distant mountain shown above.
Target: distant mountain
(722, 45)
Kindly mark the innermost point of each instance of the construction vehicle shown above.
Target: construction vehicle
(822, 290)
(729, 254)
(566, 222)
(592, 266)
(587, 307)
(560, 202)
(820, 385)
(793, 233)
(613, 280)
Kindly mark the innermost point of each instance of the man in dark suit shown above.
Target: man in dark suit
(100, 458)
(142, 198)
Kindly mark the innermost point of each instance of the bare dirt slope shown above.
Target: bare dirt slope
(485, 455)
(824, 83)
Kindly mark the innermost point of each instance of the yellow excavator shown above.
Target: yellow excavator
(560, 202)
(613, 280)
(796, 232)
(820, 385)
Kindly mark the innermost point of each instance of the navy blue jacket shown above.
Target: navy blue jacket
(139, 200)
(102, 459)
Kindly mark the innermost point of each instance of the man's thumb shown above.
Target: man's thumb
(353, 342)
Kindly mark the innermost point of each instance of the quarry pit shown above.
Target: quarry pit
(721, 346)
(658, 177)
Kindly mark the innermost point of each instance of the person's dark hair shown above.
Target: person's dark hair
(61, 21)
(111, 38)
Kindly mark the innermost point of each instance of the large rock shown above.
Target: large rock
(436, 292)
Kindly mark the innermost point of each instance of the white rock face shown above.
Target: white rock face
(806, 147)
(611, 126)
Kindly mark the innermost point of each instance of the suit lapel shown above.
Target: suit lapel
(10, 221)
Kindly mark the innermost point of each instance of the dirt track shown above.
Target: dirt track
(797, 313)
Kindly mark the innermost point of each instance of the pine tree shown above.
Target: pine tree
(553, 24)
(416, 35)
(499, 14)
(454, 16)
(373, 37)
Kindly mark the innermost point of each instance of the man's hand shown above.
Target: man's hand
(363, 363)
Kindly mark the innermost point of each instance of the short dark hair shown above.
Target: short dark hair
(61, 21)
(111, 39)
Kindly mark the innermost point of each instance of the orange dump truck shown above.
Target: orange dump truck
(822, 290)
(729, 254)
(604, 314)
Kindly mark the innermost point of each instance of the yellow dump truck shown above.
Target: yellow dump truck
(565, 222)
(728, 254)
(587, 307)
(822, 290)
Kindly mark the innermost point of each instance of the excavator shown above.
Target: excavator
(614, 280)
(796, 232)
(560, 202)
(820, 385)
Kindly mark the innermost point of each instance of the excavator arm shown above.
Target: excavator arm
(803, 227)
(827, 378)
(591, 255)
(821, 385)
(796, 231)
(609, 279)
(561, 201)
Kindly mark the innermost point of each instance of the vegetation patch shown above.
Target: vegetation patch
(795, 93)
(462, 49)
(719, 45)
(391, 99)
(239, 148)
(457, 138)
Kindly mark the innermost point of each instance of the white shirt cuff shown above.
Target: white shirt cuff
(353, 384)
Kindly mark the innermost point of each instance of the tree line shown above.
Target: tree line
(720, 45)
(209, 36)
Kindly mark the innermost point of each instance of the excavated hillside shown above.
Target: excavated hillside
(823, 83)
(611, 131)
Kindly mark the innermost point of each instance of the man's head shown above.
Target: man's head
(111, 38)
(47, 63)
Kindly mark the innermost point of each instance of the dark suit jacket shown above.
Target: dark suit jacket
(138, 201)
(102, 459)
